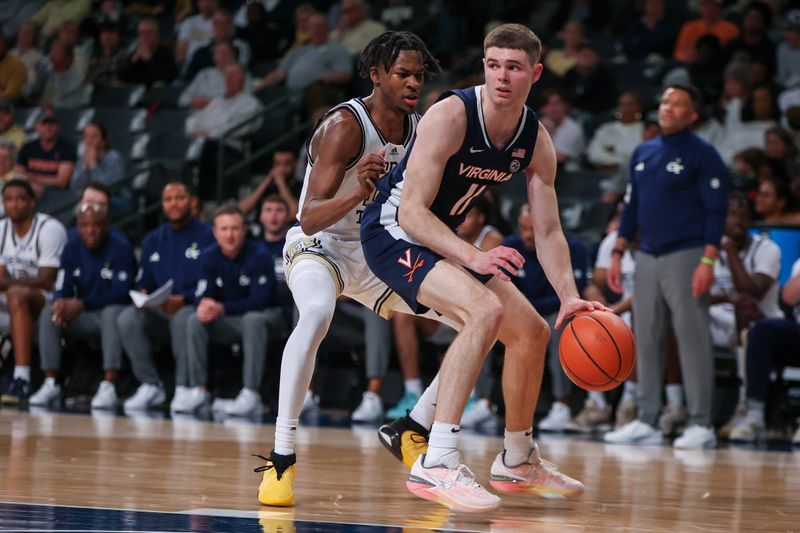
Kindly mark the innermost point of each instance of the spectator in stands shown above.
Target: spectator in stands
(709, 22)
(613, 142)
(55, 13)
(754, 44)
(745, 285)
(771, 346)
(775, 202)
(759, 113)
(355, 29)
(58, 83)
(209, 83)
(280, 12)
(566, 133)
(235, 288)
(321, 60)
(28, 266)
(16, 14)
(223, 30)
(108, 62)
(49, 160)
(223, 112)
(267, 39)
(788, 54)
(96, 272)
(10, 130)
(98, 162)
(28, 52)
(302, 32)
(590, 86)
(652, 34)
(779, 145)
(195, 31)
(533, 283)
(277, 180)
(13, 74)
(8, 157)
(676, 202)
(151, 62)
(560, 60)
(70, 35)
(170, 252)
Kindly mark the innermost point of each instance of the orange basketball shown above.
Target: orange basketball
(597, 350)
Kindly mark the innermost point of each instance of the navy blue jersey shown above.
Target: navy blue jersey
(476, 166)
(99, 277)
(245, 283)
(169, 254)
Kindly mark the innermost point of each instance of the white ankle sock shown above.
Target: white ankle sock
(285, 435)
(755, 408)
(425, 409)
(630, 392)
(22, 372)
(675, 394)
(413, 386)
(598, 398)
(518, 446)
(443, 445)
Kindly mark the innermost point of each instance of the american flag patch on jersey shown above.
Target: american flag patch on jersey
(519, 152)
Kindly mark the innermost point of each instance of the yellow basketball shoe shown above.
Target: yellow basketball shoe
(277, 485)
(405, 439)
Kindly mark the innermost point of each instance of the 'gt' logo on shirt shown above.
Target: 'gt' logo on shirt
(675, 167)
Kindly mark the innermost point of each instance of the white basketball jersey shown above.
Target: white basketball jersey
(40, 247)
(372, 141)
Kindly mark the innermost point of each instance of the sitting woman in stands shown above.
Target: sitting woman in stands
(775, 203)
(99, 163)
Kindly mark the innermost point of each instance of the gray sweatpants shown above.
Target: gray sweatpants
(562, 386)
(354, 325)
(252, 329)
(89, 325)
(663, 294)
(138, 328)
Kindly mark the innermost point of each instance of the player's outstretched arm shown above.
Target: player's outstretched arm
(335, 143)
(551, 245)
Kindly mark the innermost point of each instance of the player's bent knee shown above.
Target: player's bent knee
(489, 311)
(319, 314)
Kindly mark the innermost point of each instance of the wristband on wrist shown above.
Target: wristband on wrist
(708, 261)
(618, 251)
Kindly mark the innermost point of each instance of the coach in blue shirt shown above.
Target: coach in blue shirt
(236, 285)
(170, 252)
(97, 270)
(677, 201)
(533, 283)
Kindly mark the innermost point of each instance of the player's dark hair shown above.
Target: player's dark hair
(383, 50)
(21, 183)
(516, 37)
(692, 91)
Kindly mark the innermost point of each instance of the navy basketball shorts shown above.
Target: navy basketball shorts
(402, 265)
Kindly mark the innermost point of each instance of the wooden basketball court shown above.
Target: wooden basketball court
(67, 472)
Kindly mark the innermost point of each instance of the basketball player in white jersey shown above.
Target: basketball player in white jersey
(355, 143)
(30, 253)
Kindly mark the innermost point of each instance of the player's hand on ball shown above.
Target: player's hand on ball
(501, 261)
(370, 168)
(572, 306)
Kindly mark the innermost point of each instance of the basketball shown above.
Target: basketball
(597, 350)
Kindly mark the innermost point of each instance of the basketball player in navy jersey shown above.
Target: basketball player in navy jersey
(353, 144)
(470, 140)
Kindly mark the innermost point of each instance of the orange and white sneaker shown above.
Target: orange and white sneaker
(535, 476)
(455, 488)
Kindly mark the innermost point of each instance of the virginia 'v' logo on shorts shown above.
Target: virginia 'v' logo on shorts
(405, 260)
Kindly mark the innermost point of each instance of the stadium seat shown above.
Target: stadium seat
(104, 96)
